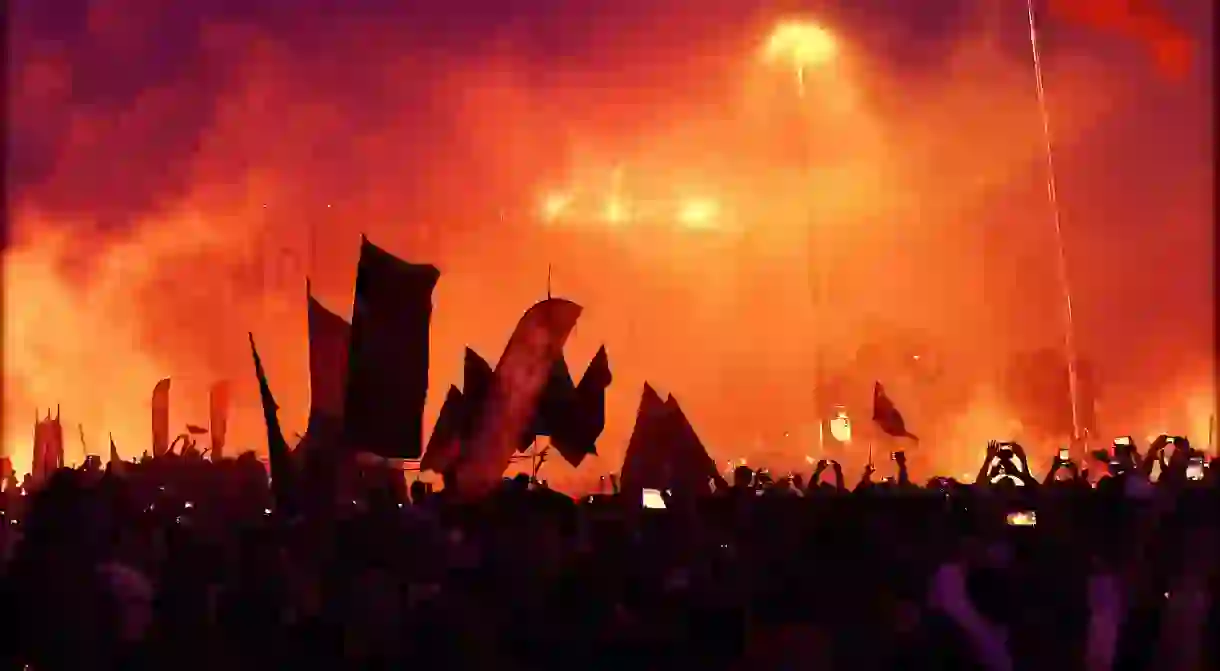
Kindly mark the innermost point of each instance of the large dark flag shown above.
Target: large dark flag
(691, 467)
(886, 415)
(387, 381)
(555, 405)
(477, 377)
(444, 447)
(584, 422)
(329, 341)
(160, 418)
(277, 447)
(520, 376)
(645, 465)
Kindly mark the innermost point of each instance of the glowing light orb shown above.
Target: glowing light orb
(554, 206)
(801, 44)
(615, 212)
(698, 214)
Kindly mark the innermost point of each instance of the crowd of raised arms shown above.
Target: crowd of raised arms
(181, 562)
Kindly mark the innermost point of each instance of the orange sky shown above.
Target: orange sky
(924, 184)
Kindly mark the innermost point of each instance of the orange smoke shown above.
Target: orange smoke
(162, 229)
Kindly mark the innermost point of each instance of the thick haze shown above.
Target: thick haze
(169, 163)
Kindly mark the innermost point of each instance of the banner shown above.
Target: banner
(387, 379)
(160, 418)
(520, 376)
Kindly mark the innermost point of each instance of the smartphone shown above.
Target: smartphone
(1026, 518)
(651, 499)
(1125, 441)
(1194, 470)
(1065, 455)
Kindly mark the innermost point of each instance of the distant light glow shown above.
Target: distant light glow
(840, 427)
(615, 212)
(800, 45)
(698, 213)
(555, 205)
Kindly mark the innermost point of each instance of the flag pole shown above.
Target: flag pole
(1211, 433)
(1069, 335)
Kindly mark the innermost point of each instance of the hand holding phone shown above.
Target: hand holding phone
(1065, 455)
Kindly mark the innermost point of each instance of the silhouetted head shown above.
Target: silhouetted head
(419, 492)
(742, 475)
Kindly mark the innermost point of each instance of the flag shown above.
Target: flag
(329, 341)
(277, 448)
(115, 461)
(39, 449)
(160, 418)
(1146, 22)
(520, 376)
(387, 379)
(554, 404)
(886, 415)
(195, 430)
(48, 448)
(445, 444)
(691, 467)
(219, 399)
(477, 377)
(644, 464)
(586, 419)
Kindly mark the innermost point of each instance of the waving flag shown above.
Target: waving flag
(160, 418)
(477, 377)
(577, 435)
(387, 381)
(329, 341)
(645, 463)
(444, 447)
(555, 405)
(886, 415)
(277, 447)
(520, 377)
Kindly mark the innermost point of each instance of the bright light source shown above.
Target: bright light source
(801, 43)
(554, 206)
(615, 212)
(698, 214)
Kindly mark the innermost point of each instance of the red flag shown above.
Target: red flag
(387, 381)
(645, 465)
(160, 418)
(520, 376)
(219, 399)
(886, 415)
(329, 340)
(445, 444)
(1145, 21)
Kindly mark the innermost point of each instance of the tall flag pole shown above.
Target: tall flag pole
(1069, 331)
